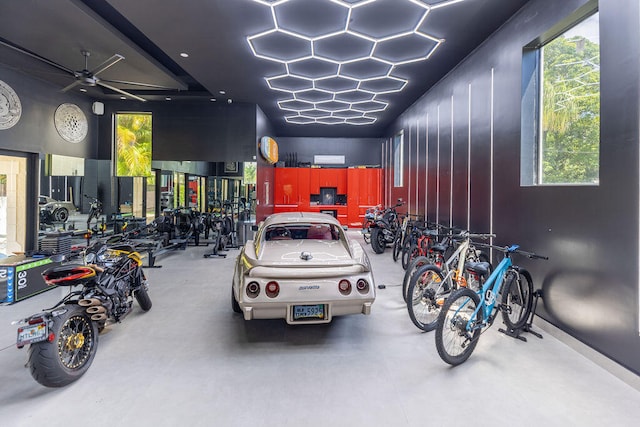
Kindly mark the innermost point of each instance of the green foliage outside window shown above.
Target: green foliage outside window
(250, 169)
(570, 134)
(133, 144)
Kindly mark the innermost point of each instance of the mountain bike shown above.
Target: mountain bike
(431, 284)
(404, 236)
(466, 314)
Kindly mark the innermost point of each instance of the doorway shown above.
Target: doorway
(13, 190)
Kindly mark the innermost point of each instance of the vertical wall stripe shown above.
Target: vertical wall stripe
(426, 170)
(438, 167)
(409, 174)
(451, 172)
(469, 161)
(491, 189)
(417, 165)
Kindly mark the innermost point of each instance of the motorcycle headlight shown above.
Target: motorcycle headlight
(90, 258)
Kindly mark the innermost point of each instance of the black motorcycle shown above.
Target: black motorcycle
(384, 229)
(63, 339)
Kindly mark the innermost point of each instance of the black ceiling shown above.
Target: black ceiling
(151, 34)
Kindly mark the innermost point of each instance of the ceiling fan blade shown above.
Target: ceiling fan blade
(71, 86)
(115, 89)
(35, 56)
(108, 63)
(123, 82)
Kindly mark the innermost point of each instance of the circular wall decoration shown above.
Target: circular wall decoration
(71, 123)
(10, 107)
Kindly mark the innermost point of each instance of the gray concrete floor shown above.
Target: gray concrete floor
(191, 361)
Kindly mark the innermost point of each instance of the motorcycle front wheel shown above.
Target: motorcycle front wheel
(65, 358)
(142, 296)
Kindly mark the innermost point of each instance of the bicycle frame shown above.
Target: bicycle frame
(489, 293)
(461, 255)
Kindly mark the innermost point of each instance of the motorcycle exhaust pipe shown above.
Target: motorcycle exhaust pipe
(96, 309)
(89, 302)
(98, 317)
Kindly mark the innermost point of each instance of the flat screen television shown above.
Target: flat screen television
(327, 195)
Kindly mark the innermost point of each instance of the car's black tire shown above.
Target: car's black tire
(56, 363)
(142, 296)
(453, 342)
(378, 243)
(425, 295)
(234, 303)
(61, 214)
(517, 298)
(413, 266)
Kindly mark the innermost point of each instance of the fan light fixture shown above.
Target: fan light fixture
(336, 67)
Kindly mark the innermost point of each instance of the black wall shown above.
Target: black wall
(191, 130)
(590, 233)
(357, 151)
(35, 132)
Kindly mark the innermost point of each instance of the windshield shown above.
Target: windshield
(302, 232)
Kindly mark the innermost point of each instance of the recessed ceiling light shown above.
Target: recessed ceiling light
(222, 92)
(212, 100)
(82, 89)
(184, 54)
(123, 97)
(168, 98)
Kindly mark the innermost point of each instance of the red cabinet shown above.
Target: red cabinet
(363, 188)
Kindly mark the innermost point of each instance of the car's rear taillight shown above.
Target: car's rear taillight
(362, 286)
(272, 289)
(253, 289)
(344, 287)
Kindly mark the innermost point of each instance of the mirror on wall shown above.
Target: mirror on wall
(61, 192)
(167, 190)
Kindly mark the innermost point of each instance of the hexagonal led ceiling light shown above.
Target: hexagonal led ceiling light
(339, 55)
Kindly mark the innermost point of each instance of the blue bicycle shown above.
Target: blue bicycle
(466, 314)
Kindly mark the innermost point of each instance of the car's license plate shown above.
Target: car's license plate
(310, 312)
(31, 333)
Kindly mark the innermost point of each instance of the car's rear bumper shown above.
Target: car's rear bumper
(276, 310)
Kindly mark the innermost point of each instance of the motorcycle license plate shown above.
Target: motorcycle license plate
(309, 312)
(31, 333)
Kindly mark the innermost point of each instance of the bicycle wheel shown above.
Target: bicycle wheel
(397, 247)
(425, 295)
(457, 330)
(517, 298)
(409, 255)
(413, 266)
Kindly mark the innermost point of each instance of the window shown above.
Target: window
(133, 144)
(398, 159)
(568, 135)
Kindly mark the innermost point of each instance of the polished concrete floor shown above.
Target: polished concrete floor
(190, 361)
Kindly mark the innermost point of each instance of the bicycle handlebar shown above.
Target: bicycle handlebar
(513, 249)
(483, 236)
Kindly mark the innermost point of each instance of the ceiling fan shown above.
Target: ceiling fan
(86, 77)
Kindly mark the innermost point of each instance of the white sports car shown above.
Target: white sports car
(302, 267)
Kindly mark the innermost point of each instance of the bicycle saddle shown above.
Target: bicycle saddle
(481, 268)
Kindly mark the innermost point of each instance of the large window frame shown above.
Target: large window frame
(561, 104)
(398, 159)
(133, 144)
